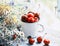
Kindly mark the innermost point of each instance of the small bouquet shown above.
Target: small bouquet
(4, 11)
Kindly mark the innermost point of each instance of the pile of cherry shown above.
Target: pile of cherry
(30, 17)
(39, 40)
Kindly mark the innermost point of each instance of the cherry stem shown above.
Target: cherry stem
(44, 35)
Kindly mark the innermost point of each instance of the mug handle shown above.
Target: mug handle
(42, 28)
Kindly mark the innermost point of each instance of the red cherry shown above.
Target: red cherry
(31, 41)
(39, 39)
(31, 20)
(36, 19)
(24, 18)
(14, 36)
(36, 15)
(46, 41)
(30, 15)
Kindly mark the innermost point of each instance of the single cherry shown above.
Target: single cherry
(39, 39)
(36, 19)
(31, 20)
(24, 18)
(37, 15)
(46, 41)
(31, 41)
(14, 36)
(30, 15)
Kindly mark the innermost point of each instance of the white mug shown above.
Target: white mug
(30, 29)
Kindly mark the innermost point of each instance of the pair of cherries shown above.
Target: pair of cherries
(39, 40)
